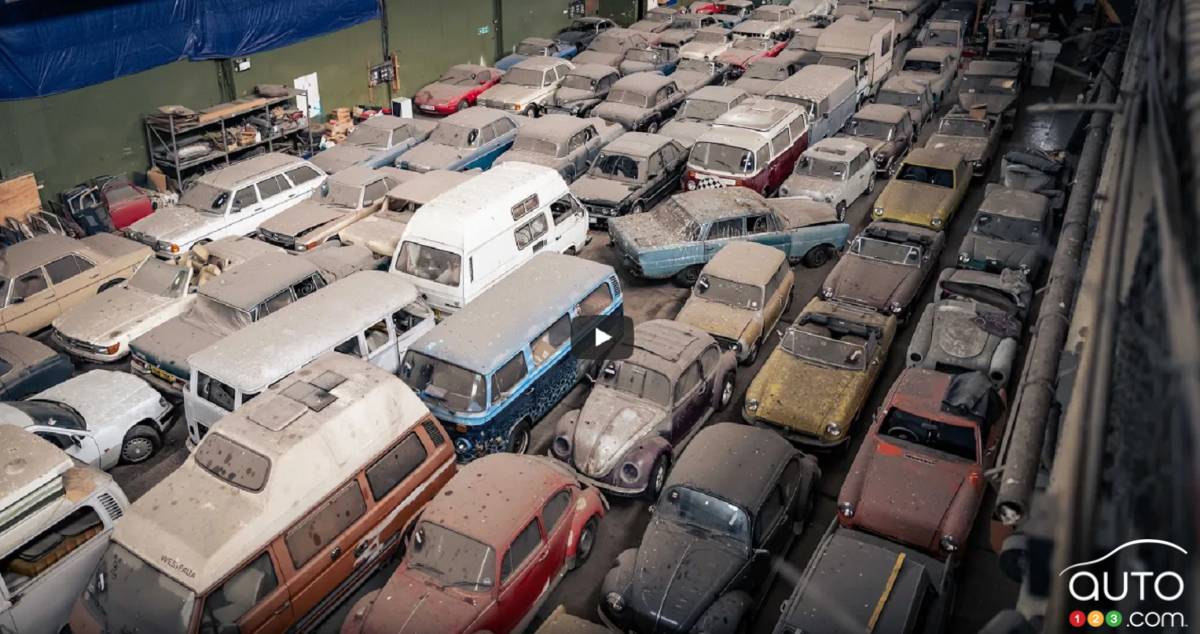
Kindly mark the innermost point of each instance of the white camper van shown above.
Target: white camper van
(467, 239)
(827, 94)
(863, 45)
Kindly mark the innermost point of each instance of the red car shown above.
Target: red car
(497, 538)
(918, 478)
(746, 50)
(115, 196)
(703, 7)
(456, 89)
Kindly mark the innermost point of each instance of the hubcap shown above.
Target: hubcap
(726, 393)
(585, 544)
(522, 443)
(137, 449)
(660, 477)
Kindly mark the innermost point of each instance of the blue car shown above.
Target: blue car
(375, 142)
(28, 366)
(535, 47)
(681, 234)
(467, 139)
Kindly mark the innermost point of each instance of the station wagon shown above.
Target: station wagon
(375, 142)
(470, 139)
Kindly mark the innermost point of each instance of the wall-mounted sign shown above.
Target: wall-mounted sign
(384, 73)
(484, 30)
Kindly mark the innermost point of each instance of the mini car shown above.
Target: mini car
(467, 140)
(933, 65)
(708, 44)
(609, 47)
(100, 418)
(927, 189)
(656, 20)
(581, 31)
(654, 60)
(643, 410)
(641, 102)
(528, 86)
(1011, 231)
(585, 86)
(692, 74)
(630, 175)
(457, 88)
(536, 47)
(885, 267)
(699, 110)
(817, 380)
(565, 143)
(765, 74)
(27, 366)
(375, 142)
(470, 566)
(910, 94)
(734, 503)
(973, 325)
(739, 297)
(941, 430)
(994, 85)
(682, 233)
(836, 170)
(887, 130)
(974, 135)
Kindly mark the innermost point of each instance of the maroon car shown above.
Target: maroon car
(885, 267)
(918, 478)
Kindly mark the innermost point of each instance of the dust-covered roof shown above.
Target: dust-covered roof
(882, 112)
(540, 62)
(429, 185)
(475, 117)
(644, 83)
(386, 121)
(992, 68)
(733, 461)
(930, 157)
(256, 280)
(25, 255)
(721, 94)
(593, 71)
(746, 262)
(26, 462)
(554, 127)
(836, 148)
(928, 54)
(238, 173)
(759, 115)
(666, 346)
(636, 144)
(1015, 203)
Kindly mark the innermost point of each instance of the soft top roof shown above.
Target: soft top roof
(735, 462)
(661, 344)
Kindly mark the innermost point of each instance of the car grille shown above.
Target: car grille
(277, 238)
(71, 342)
(601, 210)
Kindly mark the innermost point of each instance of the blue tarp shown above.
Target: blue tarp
(48, 46)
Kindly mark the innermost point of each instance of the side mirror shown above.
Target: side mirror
(761, 552)
(76, 441)
(652, 509)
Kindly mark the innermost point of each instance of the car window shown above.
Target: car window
(508, 376)
(244, 198)
(241, 592)
(350, 347)
(709, 359)
(780, 143)
(66, 267)
(668, 155)
(688, 381)
(503, 126)
(554, 509)
(551, 340)
(403, 321)
(322, 528)
(761, 224)
(62, 441)
(271, 186)
(28, 284)
(487, 133)
(281, 299)
(525, 206)
(577, 141)
(723, 229)
(302, 174)
(309, 285)
(529, 232)
(376, 336)
(768, 515)
(655, 167)
(563, 207)
(395, 466)
(374, 192)
(522, 548)
(597, 301)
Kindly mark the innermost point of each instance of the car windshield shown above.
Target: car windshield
(1008, 229)
(986, 84)
(848, 353)
(534, 145)
(729, 292)
(897, 98)
(675, 220)
(641, 55)
(685, 21)
(530, 49)
(50, 414)
(870, 129)
(884, 251)
(453, 135)
(941, 37)
(458, 389)
(711, 37)
(922, 66)
(369, 137)
(682, 505)
(5, 366)
(936, 176)
(452, 559)
(617, 167)
(981, 293)
(702, 110)
(213, 314)
(522, 77)
(338, 194)
(631, 378)
(695, 66)
(607, 44)
(159, 278)
(722, 158)
(629, 98)
(754, 43)
(955, 126)
(579, 82)
(204, 197)
(955, 440)
(129, 595)
(820, 168)
(429, 263)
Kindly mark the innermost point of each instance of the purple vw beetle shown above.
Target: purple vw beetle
(643, 410)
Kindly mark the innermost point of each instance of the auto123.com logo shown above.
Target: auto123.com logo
(1089, 584)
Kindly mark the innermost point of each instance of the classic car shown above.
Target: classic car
(769, 20)
(471, 566)
(46, 275)
(655, 20)
(536, 47)
(740, 295)
(568, 144)
(817, 380)
(645, 408)
(733, 12)
(471, 139)
(101, 418)
(821, 10)
(630, 175)
(905, 21)
(754, 145)
(375, 142)
(734, 503)
(887, 130)
(765, 74)
(885, 267)
(585, 86)
(682, 233)
(892, 589)
(581, 31)
(933, 65)
(609, 47)
(927, 189)
(975, 135)
(641, 102)
(27, 366)
(745, 50)
(800, 49)
(992, 84)
(973, 325)
(909, 94)
(1011, 231)
(528, 86)
(699, 110)
(684, 28)
(693, 74)
(457, 88)
(941, 430)
(654, 60)
(346, 197)
(835, 170)
(945, 34)
(381, 231)
(708, 44)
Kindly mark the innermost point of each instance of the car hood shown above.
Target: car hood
(104, 398)
(341, 156)
(811, 187)
(677, 575)
(169, 344)
(737, 56)
(596, 57)
(889, 504)
(872, 282)
(916, 202)
(567, 97)
(624, 114)
(102, 318)
(995, 104)
(993, 249)
(609, 425)
(686, 132)
(716, 318)
(589, 188)
(640, 232)
(702, 49)
(972, 148)
(956, 332)
(805, 396)
(433, 156)
(307, 215)
(172, 222)
(439, 93)
(509, 93)
(530, 157)
(410, 605)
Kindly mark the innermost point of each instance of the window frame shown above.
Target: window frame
(76, 258)
(348, 488)
(394, 453)
(515, 570)
(12, 294)
(499, 394)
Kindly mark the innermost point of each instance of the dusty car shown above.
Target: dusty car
(707, 44)
(973, 325)
(765, 74)
(933, 65)
(528, 86)
(375, 142)
(641, 102)
(609, 47)
(1011, 231)
(817, 380)
(698, 112)
(946, 34)
(692, 74)
(927, 189)
(974, 135)
(885, 267)
(585, 86)
(745, 50)
(909, 94)
(740, 295)
(457, 89)
(834, 170)
(684, 28)
(887, 130)
(27, 366)
(109, 203)
(731, 506)
(644, 409)
(733, 12)
(656, 20)
(472, 567)
(994, 85)
(770, 19)
(100, 418)
(467, 140)
(654, 60)
(565, 143)
(938, 429)
(631, 175)
(536, 47)
(581, 31)
(381, 231)
(44, 276)
(682, 233)
(801, 49)
(754, 145)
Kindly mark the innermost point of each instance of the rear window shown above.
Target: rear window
(233, 463)
(395, 466)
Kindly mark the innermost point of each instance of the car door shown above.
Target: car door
(250, 600)
(765, 229)
(80, 445)
(380, 339)
(721, 232)
(32, 303)
(691, 400)
(771, 531)
(777, 292)
(555, 520)
(864, 172)
(525, 571)
(570, 223)
(591, 147)
(243, 218)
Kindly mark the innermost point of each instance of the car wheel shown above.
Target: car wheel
(533, 111)
(871, 184)
(109, 284)
(752, 356)
(519, 438)
(569, 174)
(841, 211)
(586, 542)
(462, 105)
(658, 477)
(637, 208)
(652, 127)
(816, 257)
(140, 443)
(727, 389)
(688, 276)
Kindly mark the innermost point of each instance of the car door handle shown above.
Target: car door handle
(282, 607)
(542, 556)
(335, 553)
(360, 549)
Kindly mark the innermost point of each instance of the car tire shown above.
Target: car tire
(753, 355)
(520, 438)
(586, 542)
(841, 211)
(462, 105)
(688, 276)
(658, 477)
(533, 111)
(728, 388)
(871, 184)
(816, 257)
(637, 208)
(109, 284)
(569, 174)
(140, 443)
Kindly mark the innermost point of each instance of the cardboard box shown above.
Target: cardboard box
(19, 196)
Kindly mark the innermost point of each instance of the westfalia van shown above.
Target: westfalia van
(754, 145)
(827, 94)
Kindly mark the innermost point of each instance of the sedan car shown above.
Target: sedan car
(927, 189)
(528, 86)
(692, 74)
(581, 31)
(707, 44)
(1011, 231)
(457, 89)
(817, 380)
(498, 536)
(733, 504)
(933, 65)
(835, 170)
(609, 47)
(684, 29)
(375, 142)
(656, 20)
(629, 176)
(27, 366)
(641, 101)
(740, 295)
(938, 429)
(585, 86)
(765, 74)
(885, 267)
(568, 144)
(467, 140)
(644, 409)
(536, 47)
(733, 12)
(698, 112)
(909, 94)
(101, 418)
(654, 60)
(974, 135)
(887, 130)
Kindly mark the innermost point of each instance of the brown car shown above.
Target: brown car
(885, 266)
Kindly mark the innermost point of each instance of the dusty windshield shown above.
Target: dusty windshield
(941, 37)
(695, 66)
(711, 37)
(728, 292)
(936, 176)
(839, 353)
(722, 158)
(458, 389)
(453, 135)
(674, 219)
(579, 82)
(1008, 229)
(205, 197)
(641, 55)
(523, 77)
(534, 145)
(702, 110)
(617, 167)
(882, 250)
(820, 168)
(754, 43)
(429, 263)
(986, 84)
(369, 136)
(687, 22)
(159, 278)
(870, 129)
(128, 595)
(682, 505)
(630, 378)
(452, 559)
(963, 127)
(629, 98)
(530, 49)
(955, 440)
(338, 194)
(897, 98)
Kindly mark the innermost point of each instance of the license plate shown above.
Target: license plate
(163, 374)
(429, 108)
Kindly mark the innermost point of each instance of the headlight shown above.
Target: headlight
(964, 257)
(827, 292)
(833, 429)
(112, 348)
(846, 509)
(828, 198)
(880, 159)
(976, 164)
(515, 107)
(462, 445)
(896, 308)
(561, 447)
(937, 222)
(615, 601)
(948, 543)
(752, 404)
(629, 472)
(878, 211)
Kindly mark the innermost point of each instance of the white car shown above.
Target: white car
(528, 87)
(709, 43)
(836, 170)
(101, 418)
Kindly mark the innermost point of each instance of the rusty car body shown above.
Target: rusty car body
(885, 267)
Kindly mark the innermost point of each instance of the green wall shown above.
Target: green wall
(532, 18)
(430, 36)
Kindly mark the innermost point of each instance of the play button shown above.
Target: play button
(606, 337)
(602, 338)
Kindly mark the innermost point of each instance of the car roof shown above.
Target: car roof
(386, 122)
(905, 84)
(930, 157)
(19, 350)
(836, 148)
(475, 116)
(1015, 203)
(25, 255)
(256, 280)
(733, 461)
(723, 94)
(706, 205)
(26, 463)
(667, 346)
(928, 54)
(554, 127)
(540, 62)
(240, 248)
(746, 262)
(360, 175)
(992, 67)
(637, 144)
(238, 173)
(760, 115)
(642, 83)
(429, 185)
(593, 71)
(883, 112)
(538, 41)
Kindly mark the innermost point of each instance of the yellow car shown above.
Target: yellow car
(927, 189)
(819, 376)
